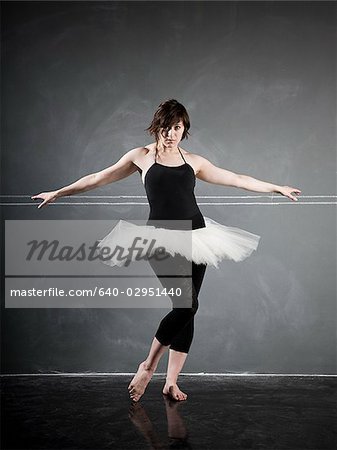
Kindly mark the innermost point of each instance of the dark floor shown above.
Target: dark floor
(94, 412)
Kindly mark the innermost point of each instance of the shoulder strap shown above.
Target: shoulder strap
(182, 155)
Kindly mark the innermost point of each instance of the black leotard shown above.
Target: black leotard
(170, 192)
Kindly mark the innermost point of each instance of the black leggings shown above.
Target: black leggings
(177, 327)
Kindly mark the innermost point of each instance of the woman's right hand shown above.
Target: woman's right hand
(47, 197)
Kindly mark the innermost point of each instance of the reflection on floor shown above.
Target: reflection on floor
(94, 412)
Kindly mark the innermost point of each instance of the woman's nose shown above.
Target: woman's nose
(170, 132)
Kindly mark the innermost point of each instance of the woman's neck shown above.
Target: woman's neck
(161, 148)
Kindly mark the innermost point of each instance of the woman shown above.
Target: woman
(168, 173)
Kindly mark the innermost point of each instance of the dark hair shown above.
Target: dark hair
(167, 114)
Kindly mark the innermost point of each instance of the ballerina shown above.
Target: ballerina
(168, 173)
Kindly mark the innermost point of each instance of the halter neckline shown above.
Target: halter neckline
(186, 164)
(155, 162)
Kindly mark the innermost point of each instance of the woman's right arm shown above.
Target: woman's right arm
(121, 169)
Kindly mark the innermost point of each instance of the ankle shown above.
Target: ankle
(148, 366)
(171, 381)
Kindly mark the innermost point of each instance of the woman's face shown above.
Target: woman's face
(171, 136)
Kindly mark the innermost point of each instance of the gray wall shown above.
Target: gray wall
(80, 82)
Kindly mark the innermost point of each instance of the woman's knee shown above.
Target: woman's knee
(195, 305)
(190, 311)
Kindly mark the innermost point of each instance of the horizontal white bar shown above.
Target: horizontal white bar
(200, 374)
(146, 204)
(197, 196)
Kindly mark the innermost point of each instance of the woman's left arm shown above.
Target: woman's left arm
(216, 175)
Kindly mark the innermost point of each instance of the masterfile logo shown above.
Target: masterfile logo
(67, 264)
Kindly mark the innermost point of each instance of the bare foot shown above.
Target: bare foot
(174, 392)
(139, 382)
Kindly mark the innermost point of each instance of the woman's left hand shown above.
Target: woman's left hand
(287, 191)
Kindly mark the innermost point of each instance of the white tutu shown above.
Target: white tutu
(208, 245)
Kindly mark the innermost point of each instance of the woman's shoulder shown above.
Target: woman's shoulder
(188, 153)
(138, 155)
(143, 151)
(193, 157)
(138, 152)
